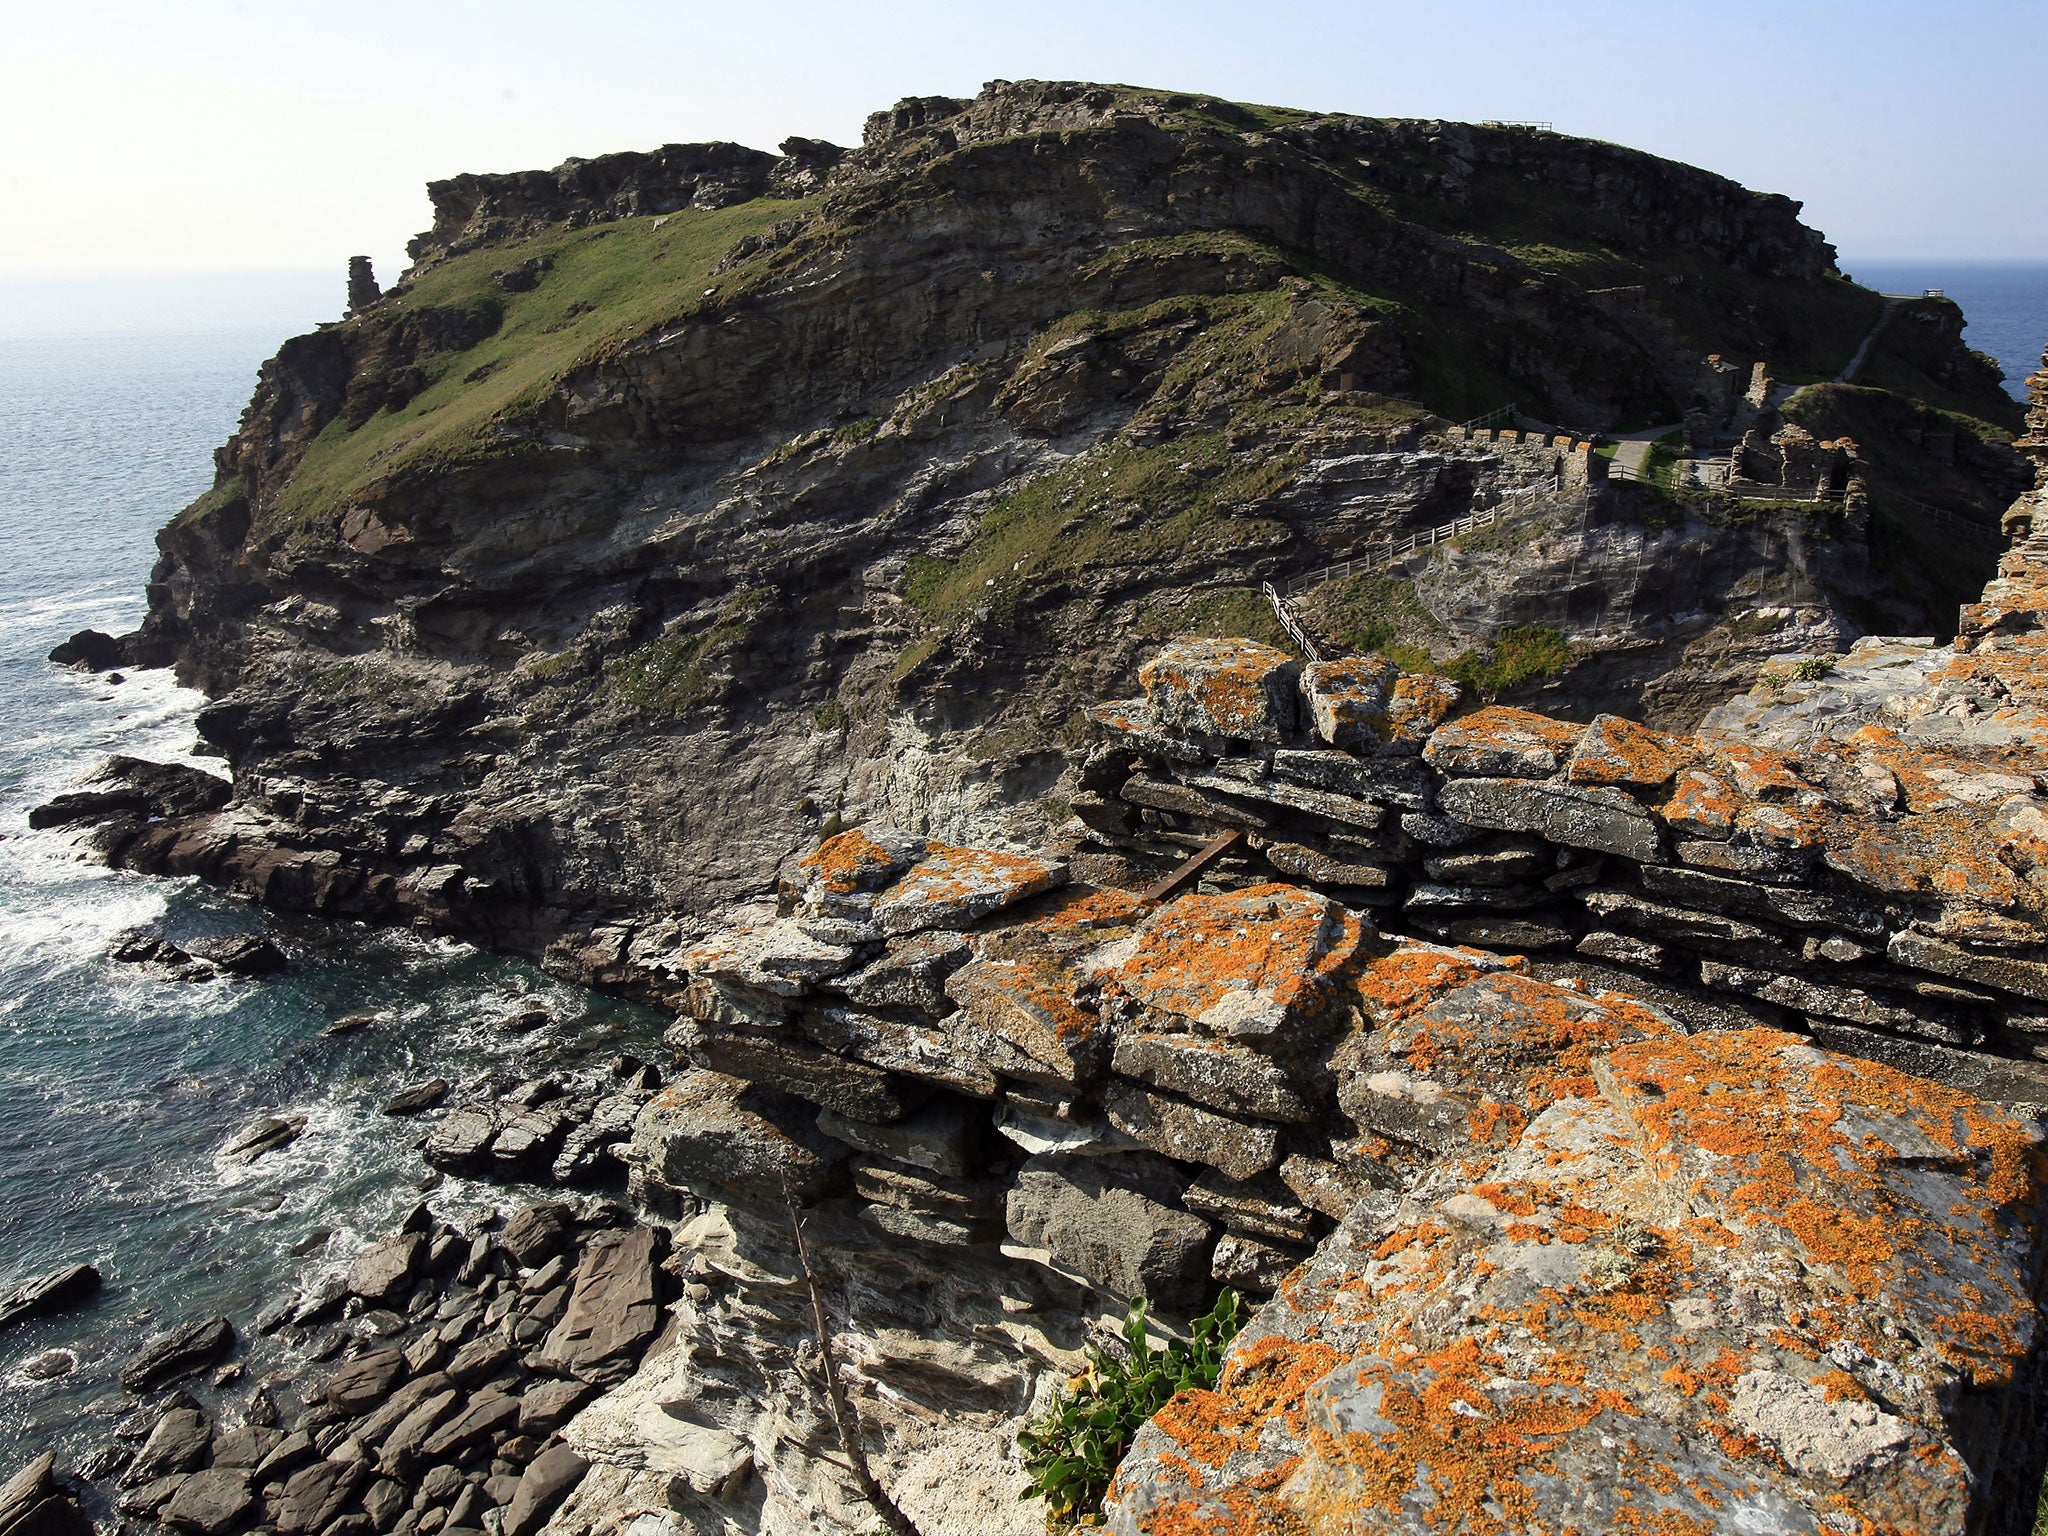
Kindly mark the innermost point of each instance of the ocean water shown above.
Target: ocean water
(118, 1086)
(2004, 302)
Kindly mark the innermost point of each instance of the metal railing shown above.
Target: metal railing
(1517, 122)
(1396, 549)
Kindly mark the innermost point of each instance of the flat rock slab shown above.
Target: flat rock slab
(1502, 742)
(1249, 963)
(177, 1353)
(841, 876)
(613, 1313)
(385, 1270)
(954, 887)
(52, 1292)
(268, 1134)
(1600, 819)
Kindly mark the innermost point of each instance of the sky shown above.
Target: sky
(215, 136)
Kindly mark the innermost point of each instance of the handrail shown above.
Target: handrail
(1498, 413)
(1295, 629)
(1428, 538)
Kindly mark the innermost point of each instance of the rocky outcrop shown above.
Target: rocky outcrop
(834, 485)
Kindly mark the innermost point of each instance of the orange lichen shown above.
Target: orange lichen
(851, 861)
(1620, 752)
(1265, 1379)
(1273, 950)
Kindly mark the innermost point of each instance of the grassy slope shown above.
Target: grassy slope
(610, 283)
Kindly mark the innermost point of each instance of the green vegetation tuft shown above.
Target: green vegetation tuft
(609, 284)
(673, 673)
(1516, 656)
(1072, 1453)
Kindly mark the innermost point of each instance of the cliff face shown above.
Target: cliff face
(675, 506)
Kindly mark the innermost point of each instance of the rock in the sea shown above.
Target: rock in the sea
(130, 786)
(265, 1135)
(179, 1352)
(417, 1098)
(52, 1292)
(463, 1141)
(90, 650)
(241, 954)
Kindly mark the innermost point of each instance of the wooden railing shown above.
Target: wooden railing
(1296, 630)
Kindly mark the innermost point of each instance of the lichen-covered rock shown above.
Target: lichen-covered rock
(841, 875)
(1601, 819)
(778, 958)
(1501, 742)
(952, 887)
(1232, 688)
(1348, 701)
(1249, 963)
(1730, 1283)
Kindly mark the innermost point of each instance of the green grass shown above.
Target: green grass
(610, 284)
(1362, 614)
(1516, 656)
(674, 673)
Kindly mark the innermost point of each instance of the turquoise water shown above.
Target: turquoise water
(117, 1086)
(2005, 303)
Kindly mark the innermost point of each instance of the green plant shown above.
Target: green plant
(1515, 656)
(1073, 1452)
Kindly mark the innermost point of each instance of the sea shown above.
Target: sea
(118, 1085)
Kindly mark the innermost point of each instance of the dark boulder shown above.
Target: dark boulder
(49, 1293)
(134, 787)
(180, 1352)
(91, 650)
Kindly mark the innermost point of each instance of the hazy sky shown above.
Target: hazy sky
(215, 136)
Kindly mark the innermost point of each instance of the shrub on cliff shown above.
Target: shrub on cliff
(1073, 1452)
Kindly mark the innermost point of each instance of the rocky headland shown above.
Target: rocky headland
(825, 594)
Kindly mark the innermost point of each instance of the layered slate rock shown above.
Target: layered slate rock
(1873, 868)
(1731, 1283)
